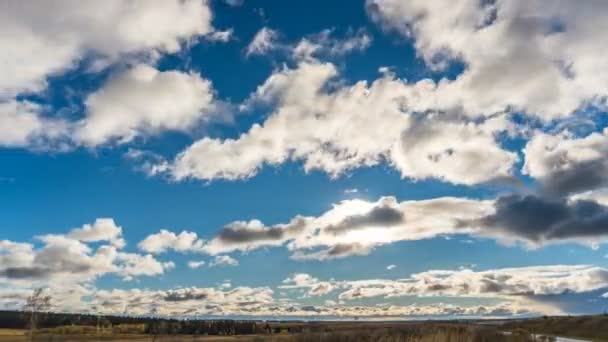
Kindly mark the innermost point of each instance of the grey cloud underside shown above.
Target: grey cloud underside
(579, 177)
(241, 233)
(384, 216)
(539, 219)
(180, 297)
(25, 272)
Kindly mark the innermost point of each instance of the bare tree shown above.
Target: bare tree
(37, 303)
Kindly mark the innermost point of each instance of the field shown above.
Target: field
(307, 332)
(74, 327)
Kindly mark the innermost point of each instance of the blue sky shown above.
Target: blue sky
(295, 150)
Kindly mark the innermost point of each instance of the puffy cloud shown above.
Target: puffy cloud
(22, 125)
(512, 283)
(323, 44)
(142, 101)
(68, 259)
(346, 127)
(245, 236)
(104, 229)
(262, 42)
(391, 267)
(354, 227)
(166, 240)
(537, 219)
(223, 260)
(313, 286)
(502, 43)
(564, 164)
(456, 152)
(234, 3)
(43, 39)
(133, 265)
(242, 301)
(195, 264)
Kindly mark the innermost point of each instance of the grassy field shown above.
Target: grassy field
(589, 328)
(340, 332)
(592, 328)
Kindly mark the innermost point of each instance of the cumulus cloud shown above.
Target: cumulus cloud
(354, 227)
(540, 220)
(324, 44)
(351, 126)
(142, 101)
(564, 164)
(223, 260)
(242, 301)
(313, 286)
(517, 54)
(22, 125)
(512, 283)
(44, 39)
(195, 264)
(67, 258)
(51, 38)
(263, 42)
(166, 240)
(104, 229)
(245, 236)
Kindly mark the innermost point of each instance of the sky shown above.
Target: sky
(385, 159)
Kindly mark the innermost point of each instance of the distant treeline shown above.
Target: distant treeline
(149, 325)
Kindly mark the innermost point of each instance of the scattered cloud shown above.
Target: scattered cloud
(142, 101)
(352, 126)
(223, 260)
(324, 44)
(565, 164)
(354, 227)
(70, 259)
(263, 42)
(517, 284)
(501, 43)
(166, 240)
(540, 220)
(195, 264)
(391, 267)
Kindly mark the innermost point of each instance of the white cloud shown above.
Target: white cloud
(242, 301)
(518, 54)
(195, 264)
(104, 229)
(263, 42)
(234, 3)
(355, 227)
(509, 283)
(565, 164)
(313, 286)
(142, 101)
(349, 127)
(166, 240)
(391, 267)
(323, 44)
(221, 36)
(223, 260)
(22, 125)
(43, 39)
(68, 259)
(246, 236)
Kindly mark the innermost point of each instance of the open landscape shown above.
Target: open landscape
(304, 170)
(66, 327)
